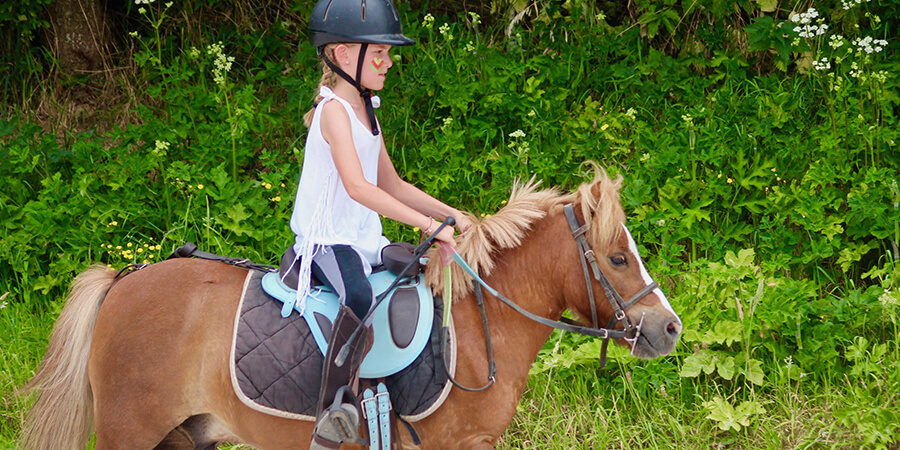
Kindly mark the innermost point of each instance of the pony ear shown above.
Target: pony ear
(598, 188)
(590, 195)
(600, 205)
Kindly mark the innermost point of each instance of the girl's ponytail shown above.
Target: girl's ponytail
(327, 80)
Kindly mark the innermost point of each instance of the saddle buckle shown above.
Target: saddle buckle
(366, 404)
(379, 397)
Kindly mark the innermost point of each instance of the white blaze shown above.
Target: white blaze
(647, 279)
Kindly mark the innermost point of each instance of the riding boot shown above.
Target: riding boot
(337, 414)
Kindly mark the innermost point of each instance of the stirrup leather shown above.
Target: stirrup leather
(377, 411)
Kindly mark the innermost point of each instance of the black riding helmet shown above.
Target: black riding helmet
(356, 21)
(362, 21)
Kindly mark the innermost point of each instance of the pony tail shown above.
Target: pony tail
(62, 415)
(327, 80)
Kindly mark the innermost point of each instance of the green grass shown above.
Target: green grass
(568, 414)
(22, 344)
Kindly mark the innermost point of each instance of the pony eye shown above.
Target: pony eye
(618, 260)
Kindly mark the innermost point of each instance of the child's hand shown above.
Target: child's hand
(463, 223)
(446, 236)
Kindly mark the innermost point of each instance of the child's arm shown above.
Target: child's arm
(415, 198)
(335, 124)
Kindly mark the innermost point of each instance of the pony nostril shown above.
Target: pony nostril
(674, 328)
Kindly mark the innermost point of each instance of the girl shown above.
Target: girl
(347, 181)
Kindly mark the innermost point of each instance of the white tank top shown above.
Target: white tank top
(324, 213)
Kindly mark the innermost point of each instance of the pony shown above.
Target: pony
(142, 360)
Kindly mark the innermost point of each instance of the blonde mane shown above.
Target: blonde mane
(598, 200)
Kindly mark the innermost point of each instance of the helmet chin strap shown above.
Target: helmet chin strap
(366, 94)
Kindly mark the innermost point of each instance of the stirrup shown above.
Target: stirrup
(339, 423)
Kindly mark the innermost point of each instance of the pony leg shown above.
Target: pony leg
(192, 434)
(178, 439)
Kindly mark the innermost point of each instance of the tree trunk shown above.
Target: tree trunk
(79, 36)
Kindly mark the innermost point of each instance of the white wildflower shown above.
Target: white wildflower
(222, 62)
(476, 19)
(160, 147)
(445, 31)
(821, 64)
(890, 298)
(836, 41)
(869, 44)
(806, 28)
(847, 4)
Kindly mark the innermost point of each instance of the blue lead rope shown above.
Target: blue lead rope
(469, 270)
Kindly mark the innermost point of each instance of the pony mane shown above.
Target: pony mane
(598, 200)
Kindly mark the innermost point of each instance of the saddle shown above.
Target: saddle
(401, 324)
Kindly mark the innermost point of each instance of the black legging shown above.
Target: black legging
(340, 267)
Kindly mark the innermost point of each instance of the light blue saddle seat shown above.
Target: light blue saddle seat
(390, 352)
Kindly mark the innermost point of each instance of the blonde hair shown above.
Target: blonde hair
(327, 80)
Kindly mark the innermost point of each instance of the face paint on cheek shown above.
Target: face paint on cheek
(377, 63)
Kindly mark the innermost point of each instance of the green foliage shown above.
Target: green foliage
(24, 16)
(731, 417)
(760, 183)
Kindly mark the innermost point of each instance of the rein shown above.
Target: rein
(629, 332)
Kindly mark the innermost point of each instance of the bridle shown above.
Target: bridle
(630, 332)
